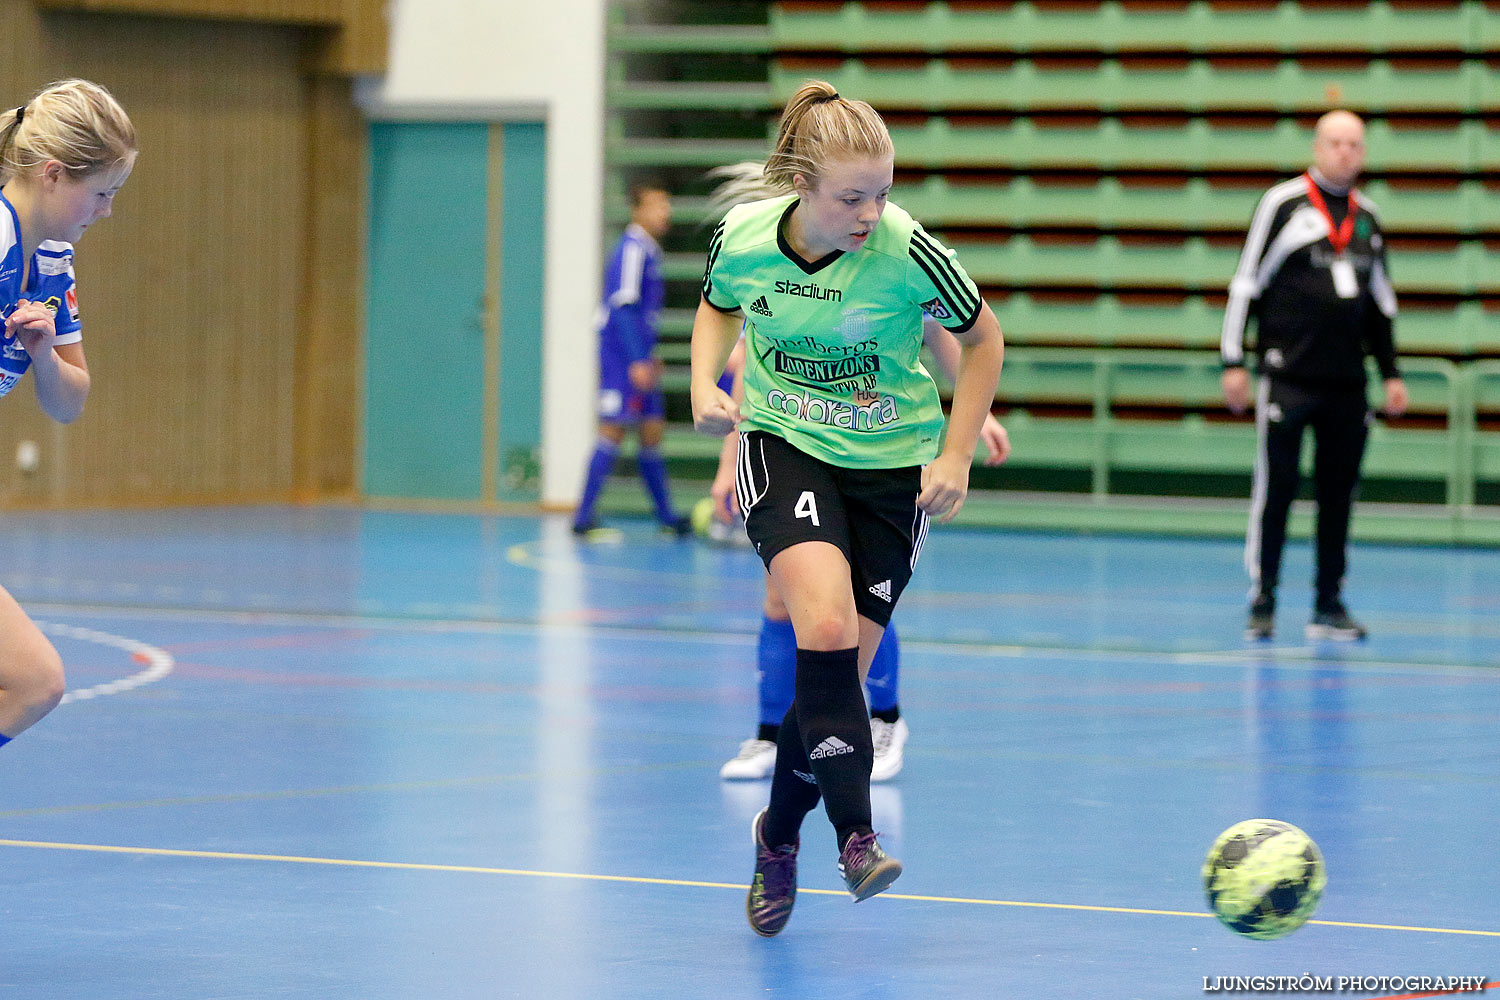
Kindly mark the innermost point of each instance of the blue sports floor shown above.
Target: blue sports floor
(327, 753)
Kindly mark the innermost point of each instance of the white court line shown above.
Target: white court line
(159, 662)
(1290, 658)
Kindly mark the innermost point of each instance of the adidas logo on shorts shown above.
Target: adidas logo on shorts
(831, 747)
(761, 306)
(882, 590)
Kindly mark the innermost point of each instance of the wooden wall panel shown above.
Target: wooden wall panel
(356, 39)
(329, 359)
(276, 11)
(192, 294)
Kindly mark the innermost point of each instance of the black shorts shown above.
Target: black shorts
(870, 514)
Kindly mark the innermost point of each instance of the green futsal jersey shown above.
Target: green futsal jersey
(832, 347)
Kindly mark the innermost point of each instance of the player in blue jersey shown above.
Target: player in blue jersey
(776, 647)
(629, 372)
(63, 156)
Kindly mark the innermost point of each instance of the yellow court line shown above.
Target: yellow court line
(641, 880)
(354, 863)
(310, 793)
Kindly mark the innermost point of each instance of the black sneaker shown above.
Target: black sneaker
(678, 527)
(1333, 622)
(773, 890)
(866, 868)
(593, 531)
(1261, 624)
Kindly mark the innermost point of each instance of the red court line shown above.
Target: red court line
(1439, 993)
(607, 693)
(279, 641)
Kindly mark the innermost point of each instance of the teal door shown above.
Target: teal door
(522, 216)
(452, 411)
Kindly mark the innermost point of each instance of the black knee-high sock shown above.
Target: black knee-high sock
(830, 706)
(793, 796)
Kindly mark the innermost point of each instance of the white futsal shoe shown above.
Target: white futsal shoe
(756, 760)
(890, 744)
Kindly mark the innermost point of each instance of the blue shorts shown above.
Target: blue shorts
(625, 404)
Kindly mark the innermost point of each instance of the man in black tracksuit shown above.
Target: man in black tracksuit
(1313, 274)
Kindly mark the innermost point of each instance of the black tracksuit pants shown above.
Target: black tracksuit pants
(1339, 416)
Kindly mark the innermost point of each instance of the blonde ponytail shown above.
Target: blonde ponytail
(817, 125)
(75, 122)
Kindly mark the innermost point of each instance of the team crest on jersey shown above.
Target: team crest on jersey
(936, 309)
(855, 326)
(53, 304)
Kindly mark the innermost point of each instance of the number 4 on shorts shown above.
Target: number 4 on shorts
(807, 506)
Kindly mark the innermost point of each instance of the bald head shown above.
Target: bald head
(1339, 147)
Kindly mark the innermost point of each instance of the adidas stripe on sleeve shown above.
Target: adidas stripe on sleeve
(941, 286)
(713, 292)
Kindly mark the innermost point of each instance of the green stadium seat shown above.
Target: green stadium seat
(1464, 207)
(1112, 203)
(1484, 449)
(1109, 85)
(1486, 391)
(1467, 147)
(937, 144)
(1104, 215)
(1111, 383)
(657, 96)
(674, 39)
(1409, 453)
(1188, 445)
(1103, 320)
(1113, 27)
(1021, 201)
(1463, 328)
(1050, 442)
(1058, 377)
(657, 153)
(1193, 264)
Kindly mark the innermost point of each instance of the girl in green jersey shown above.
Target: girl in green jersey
(840, 463)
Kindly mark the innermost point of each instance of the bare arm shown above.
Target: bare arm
(726, 505)
(945, 482)
(60, 372)
(946, 351)
(714, 334)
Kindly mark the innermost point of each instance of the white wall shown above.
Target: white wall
(522, 60)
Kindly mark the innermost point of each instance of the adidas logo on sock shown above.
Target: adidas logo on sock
(831, 747)
(882, 590)
(761, 306)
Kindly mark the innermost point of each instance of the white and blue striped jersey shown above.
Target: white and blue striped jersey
(49, 282)
(634, 291)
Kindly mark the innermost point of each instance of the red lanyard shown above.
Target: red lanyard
(1340, 235)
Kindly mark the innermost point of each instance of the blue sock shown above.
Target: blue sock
(776, 662)
(4, 740)
(883, 682)
(654, 471)
(600, 467)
